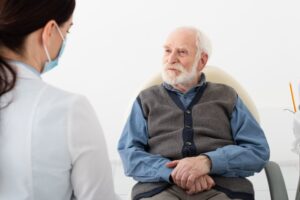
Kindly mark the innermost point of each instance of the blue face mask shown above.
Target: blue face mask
(50, 64)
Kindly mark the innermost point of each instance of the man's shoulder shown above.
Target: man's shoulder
(220, 91)
(220, 87)
(153, 90)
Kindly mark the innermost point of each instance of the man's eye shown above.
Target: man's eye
(167, 50)
(182, 52)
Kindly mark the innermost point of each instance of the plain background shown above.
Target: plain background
(116, 45)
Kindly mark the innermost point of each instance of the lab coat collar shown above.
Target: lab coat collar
(25, 71)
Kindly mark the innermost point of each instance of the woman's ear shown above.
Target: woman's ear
(48, 32)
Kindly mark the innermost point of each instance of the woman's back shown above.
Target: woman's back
(51, 143)
(48, 140)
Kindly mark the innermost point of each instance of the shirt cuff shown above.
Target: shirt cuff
(218, 162)
(164, 173)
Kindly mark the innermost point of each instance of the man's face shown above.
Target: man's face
(179, 61)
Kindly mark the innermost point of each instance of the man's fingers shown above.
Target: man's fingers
(178, 174)
(175, 177)
(172, 164)
(210, 182)
(198, 186)
(190, 181)
(191, 190)
(174, 173)
(183, 181)
(204, 184)
(195, 185)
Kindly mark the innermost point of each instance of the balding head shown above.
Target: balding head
(195, 36)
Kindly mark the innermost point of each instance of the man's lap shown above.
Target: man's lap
(176, 193)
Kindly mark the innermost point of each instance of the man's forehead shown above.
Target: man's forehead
(181, 39)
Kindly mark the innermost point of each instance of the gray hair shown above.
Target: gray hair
(203, 43)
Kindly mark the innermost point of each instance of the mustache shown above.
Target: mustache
(176, 66)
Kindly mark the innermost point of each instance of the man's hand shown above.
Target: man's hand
(188, 170)
(203, 183)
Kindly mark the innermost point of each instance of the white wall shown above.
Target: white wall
(115, 45)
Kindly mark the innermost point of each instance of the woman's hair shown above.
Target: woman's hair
(20, 18)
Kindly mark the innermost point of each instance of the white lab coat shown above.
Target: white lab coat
(51, 144)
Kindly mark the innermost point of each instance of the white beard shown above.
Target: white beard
(184, 78)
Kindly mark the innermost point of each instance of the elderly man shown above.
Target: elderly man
(188, 138)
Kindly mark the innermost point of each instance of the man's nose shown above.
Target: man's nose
(173, 58)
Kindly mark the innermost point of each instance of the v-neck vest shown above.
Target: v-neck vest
(176, 132)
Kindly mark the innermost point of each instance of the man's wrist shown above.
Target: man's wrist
(207, 161)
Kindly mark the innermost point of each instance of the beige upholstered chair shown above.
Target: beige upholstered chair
(214, 74)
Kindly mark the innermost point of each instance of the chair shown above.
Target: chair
(298, 190)
(214, 74)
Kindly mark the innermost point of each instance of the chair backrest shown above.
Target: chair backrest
(216, 75)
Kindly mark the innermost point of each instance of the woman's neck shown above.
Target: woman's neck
(28, 60)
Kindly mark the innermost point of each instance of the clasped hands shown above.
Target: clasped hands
(191, 174)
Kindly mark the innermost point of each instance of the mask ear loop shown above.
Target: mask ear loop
(45, 48)
(60, 33)
(47, 53)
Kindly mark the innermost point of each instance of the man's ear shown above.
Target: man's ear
(202, 61)
(48, 31)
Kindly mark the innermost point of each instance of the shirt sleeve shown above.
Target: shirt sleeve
(91, 174)
(250, 152)
(137, 162)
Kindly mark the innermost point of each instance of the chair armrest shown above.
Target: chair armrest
(276, 182)
(298, 190)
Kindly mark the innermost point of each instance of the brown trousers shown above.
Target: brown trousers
(176, 193)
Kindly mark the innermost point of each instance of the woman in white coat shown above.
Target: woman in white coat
(51, 143)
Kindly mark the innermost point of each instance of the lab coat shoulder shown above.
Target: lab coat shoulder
(75, 116)
(91, 173)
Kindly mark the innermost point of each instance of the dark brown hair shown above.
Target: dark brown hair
(20, 18)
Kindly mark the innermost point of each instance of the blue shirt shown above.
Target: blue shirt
(248, 155)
